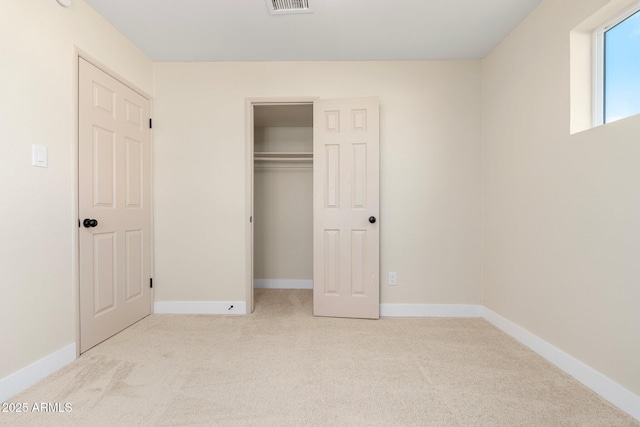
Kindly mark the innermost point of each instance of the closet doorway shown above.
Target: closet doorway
(313, 201)
(283, 196)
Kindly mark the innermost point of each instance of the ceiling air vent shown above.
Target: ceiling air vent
(282, 7)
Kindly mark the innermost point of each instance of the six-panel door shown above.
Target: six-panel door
(345, 208)
(114, 189)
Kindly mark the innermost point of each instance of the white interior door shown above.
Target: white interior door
(114, 205)
(346, 252)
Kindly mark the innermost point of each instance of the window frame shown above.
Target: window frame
(599, 61)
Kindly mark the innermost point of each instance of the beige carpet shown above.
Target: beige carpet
(283, 367)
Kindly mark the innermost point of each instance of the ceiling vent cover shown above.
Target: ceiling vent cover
(281, 7)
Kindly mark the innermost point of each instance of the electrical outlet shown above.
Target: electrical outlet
(393, 278)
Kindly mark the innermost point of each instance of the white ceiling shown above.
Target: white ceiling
(244, 30)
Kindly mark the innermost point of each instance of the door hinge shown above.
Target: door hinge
(78, 222)
(250, 219)
(150, 124)
(151, 282)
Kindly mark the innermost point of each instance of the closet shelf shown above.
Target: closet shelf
(282, 156)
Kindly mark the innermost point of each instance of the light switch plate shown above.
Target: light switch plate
(393, 278)
(39, 156)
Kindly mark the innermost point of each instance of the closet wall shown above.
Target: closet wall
(283, 196)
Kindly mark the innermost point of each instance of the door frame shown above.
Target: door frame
(75, 251)
(249, 144)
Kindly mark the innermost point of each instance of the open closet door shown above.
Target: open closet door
(346, 248)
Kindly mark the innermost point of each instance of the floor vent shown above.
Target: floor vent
(281, 7)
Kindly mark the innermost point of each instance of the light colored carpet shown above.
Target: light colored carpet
(283, 367)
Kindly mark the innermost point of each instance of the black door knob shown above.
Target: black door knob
(89, 222)
(372, 219)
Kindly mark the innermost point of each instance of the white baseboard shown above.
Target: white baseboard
(282, 284)
(430, 310)
(200, 307)
(601, 384)
(29, 375)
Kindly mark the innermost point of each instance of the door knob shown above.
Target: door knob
(89, 222)
(372, 219)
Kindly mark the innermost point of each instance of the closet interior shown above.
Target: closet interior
(283, 196)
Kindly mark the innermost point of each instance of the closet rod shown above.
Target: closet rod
(284, 153)
(283, 159)
(271, 166)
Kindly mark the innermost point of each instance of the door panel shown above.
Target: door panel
(104, 187)
(114, 189)
(346, 194)
(135, 263)
(104, 265)
(134, 179)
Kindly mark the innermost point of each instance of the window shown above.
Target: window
(617, 63)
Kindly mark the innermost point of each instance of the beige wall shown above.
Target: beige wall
(560, 223)
(561, 211)
(283, 207)
(430, 171)
(37, 226)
